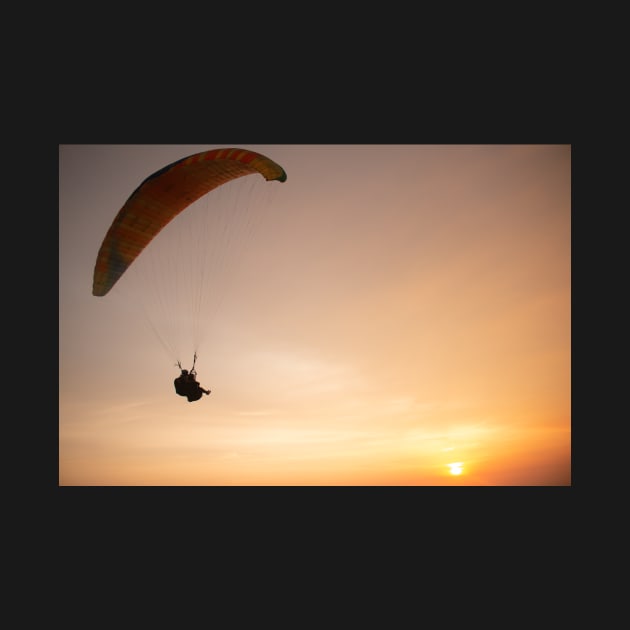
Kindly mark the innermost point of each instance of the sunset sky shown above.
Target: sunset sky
(391, 315)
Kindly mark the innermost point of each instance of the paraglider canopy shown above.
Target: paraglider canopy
(162, 196)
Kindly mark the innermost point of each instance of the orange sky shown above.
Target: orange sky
(395, 310)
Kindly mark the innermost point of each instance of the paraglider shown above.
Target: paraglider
(161, 197)
(186, 384)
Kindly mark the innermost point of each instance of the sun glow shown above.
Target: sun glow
(456, 468)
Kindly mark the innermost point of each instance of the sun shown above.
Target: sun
(456, 468)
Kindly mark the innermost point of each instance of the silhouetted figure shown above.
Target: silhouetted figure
(181, 383)
(186, 385)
